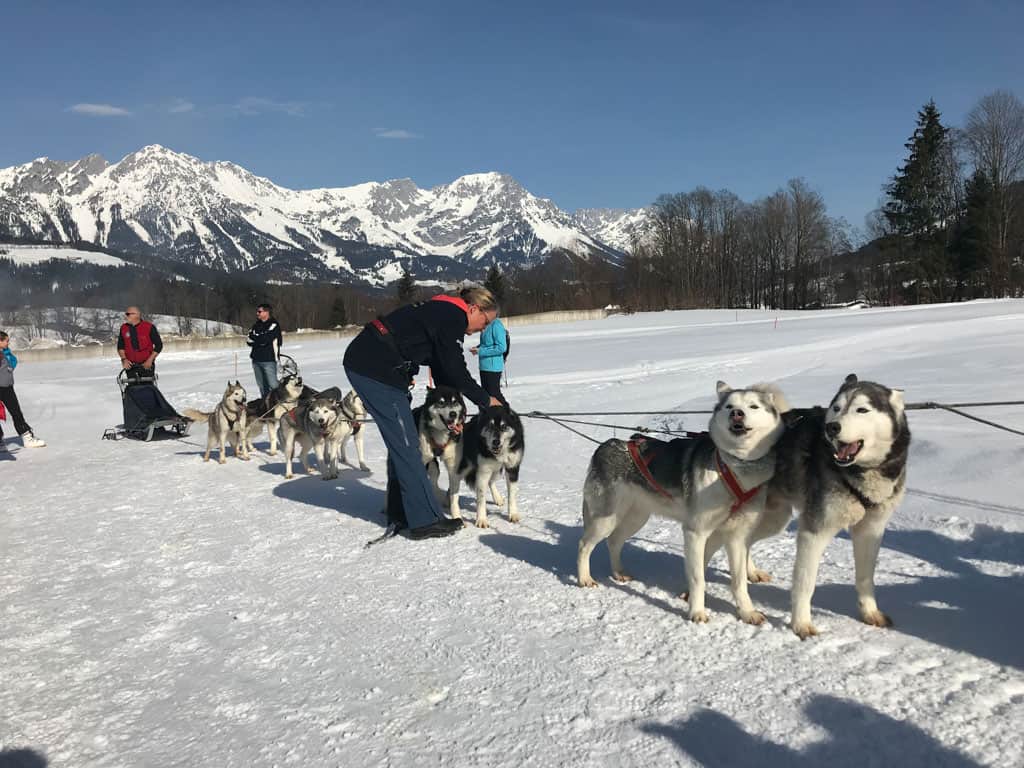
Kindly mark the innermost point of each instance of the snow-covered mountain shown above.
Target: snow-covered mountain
(218, 214)
(613, 226)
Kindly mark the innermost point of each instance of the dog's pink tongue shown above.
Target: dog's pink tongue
(847, 451)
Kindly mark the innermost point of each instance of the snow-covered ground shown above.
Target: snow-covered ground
(36, 254)
(160, 611)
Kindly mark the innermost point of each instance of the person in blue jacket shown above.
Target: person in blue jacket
(492, 351)
(8, 362)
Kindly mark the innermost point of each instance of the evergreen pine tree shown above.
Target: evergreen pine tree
(975, 238)
(339, 315)
(406, 288)
(920, 204)
(496, 284)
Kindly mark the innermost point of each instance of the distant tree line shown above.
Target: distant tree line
(29, 288)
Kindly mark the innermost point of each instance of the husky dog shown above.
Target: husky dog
(310, 423)
(351, 414)
(713, 482)
(226, 423)
(492, 443)
(439, 423)
(841, 467)
(269, 410)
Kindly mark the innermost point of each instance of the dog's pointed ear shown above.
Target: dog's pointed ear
(722, 388)
(790, 418)
(850, 380)
(896, 400)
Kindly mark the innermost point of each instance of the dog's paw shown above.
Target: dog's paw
(513, 517)
(876, 618)
(222, 460)
(364, 468)
(621, 576)
(699, 617)
(481, 522)
(803, 630)
(752, 617)
(757, 576)
(587, 582)
(498, 500)
(684, 596)
(288, 475)
(271, 452)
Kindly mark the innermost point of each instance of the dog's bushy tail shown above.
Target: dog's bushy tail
(195, 415)
(768, 387)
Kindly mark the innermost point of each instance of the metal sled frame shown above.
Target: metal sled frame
(144, 428)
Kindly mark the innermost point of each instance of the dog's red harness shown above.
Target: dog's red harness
(643, 464)
(741, 496)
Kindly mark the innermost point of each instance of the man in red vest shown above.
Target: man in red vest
(138, 342)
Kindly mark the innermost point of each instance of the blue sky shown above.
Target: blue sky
(591, 104)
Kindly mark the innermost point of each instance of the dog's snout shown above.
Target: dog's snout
(736, 415)
(833, 428)
(452, 415)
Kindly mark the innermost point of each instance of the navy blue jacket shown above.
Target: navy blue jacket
(262, 336)
(426, 333)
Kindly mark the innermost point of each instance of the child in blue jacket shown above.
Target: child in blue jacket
(492, 351)
(8, 362)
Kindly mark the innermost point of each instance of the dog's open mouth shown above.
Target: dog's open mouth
(846, 453)
(453, 424)
(737, 428)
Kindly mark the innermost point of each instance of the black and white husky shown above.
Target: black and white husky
(267, 411)
(714, 483)
(439, 424)
(493, 443)
(225, 424)
(844, 466)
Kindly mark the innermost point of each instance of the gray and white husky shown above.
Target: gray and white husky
(844, 466)
(493, 442)
(439, 424)
(351, 415)
(226, 423)
(309, 424)
(267, 412)
(715, 482)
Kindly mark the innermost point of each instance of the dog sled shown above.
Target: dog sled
(146, 411)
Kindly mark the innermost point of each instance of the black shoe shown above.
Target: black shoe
(437, 529)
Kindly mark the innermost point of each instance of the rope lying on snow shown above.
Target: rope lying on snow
(558, 418)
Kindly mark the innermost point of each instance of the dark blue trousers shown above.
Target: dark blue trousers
(392, 414)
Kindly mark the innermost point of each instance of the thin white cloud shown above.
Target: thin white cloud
(178, 106)
(99, 110)
(254, 105)
(398, 133)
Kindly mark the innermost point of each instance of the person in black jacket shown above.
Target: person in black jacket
(266, 341)
(380, 363)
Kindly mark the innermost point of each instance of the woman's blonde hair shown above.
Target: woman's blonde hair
(477, 294)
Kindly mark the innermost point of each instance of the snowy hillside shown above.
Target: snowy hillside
(162, 611)
(218, 214)
(37, 254)
(617, 228)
